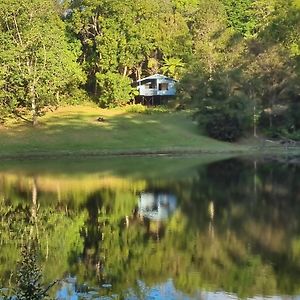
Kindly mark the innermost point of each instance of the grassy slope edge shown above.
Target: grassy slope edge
(75, 130)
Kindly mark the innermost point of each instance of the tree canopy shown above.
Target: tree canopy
(56, 51)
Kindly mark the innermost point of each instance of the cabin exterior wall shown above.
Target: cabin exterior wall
(156, 86)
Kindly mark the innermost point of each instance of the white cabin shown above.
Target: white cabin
(156, 85)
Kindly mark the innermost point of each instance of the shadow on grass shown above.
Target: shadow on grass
(82, 133)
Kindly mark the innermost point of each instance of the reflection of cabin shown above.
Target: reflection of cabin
(156, 206)
(156, 86)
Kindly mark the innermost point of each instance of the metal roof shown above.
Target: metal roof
(157, 76)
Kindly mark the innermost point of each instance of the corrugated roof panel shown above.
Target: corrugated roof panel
(157, 76)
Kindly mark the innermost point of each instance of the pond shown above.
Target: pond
(152, 228)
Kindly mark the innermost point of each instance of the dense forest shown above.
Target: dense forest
(237, 61)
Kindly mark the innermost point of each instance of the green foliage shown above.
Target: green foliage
(50, 52)
(172, 67)
(239, 16)
(115, 89)
(210, 33)
(249, 18)
(29, 286)
(285, 122)
(257, 58)
(35, 55)
(136, 108)
(223, 109)
(75, 97)
(271, 82)
(225, 119)
(98, 234)
(173, 37)
(139, 108)
(128, 38)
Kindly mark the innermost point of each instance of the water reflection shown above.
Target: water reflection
(156, 206)
(225, 229)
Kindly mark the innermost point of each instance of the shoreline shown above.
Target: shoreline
(118, 153)
(247, 151)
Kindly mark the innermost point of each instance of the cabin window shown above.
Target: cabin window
(164, 86)
(149, 83)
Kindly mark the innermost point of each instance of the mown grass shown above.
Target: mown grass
(75, 130)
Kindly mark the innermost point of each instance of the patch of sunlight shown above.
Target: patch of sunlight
(112, 112)
(129, 116)
(152, 121)
(137, 122)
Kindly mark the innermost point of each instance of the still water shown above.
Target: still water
(153, 228)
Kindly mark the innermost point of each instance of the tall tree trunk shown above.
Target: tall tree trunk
(125, 71)
(33, 105)
(96, 87)
(255, 180)
(57, 96)
(34, 200)
(272, 101)
(271, 118)
(34, 209)
(34, 113)
(254, 119)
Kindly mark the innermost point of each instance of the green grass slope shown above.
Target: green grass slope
(75, 130)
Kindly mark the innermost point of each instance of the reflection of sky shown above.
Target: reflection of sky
(67, 290)
(167, 291)
(164, 291)
(157, 206)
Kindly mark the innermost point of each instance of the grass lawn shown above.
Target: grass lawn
(75, 130)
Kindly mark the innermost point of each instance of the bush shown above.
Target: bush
(225, 120)
(224, 127)
(294, 135)
(136, 108)
(139, 108)
(115, 89)
(285, 122)
(75, 97)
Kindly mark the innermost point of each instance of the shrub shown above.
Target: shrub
(225, 120)
(136, 108)
(115, 89)
(76, 96)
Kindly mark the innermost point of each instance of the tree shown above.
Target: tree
(224, 111)
(284, 27)
(128, 38)
(35, 54)
(212, 37)
(116, 36)
(172, 67)
(172, 36)
(239, 16)
(29, 276)
(272, 80)
(115, 89)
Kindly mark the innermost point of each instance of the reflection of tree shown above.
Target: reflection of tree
(217, 238)
(237, 259)
(29, 275)
(107, 211)
(55, 230)
(267, 226)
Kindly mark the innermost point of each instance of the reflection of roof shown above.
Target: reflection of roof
(156, 206)
(157, 76)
